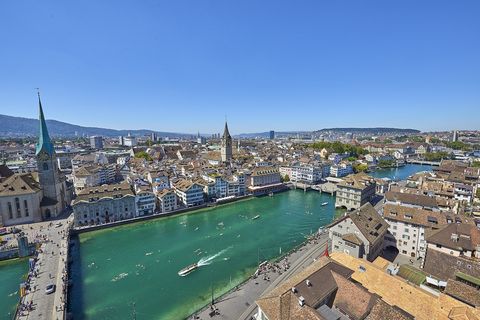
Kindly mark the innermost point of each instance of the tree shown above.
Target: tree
(360, 167)
(436, 156)
(143, 154)
(386, 163)
(286, 178)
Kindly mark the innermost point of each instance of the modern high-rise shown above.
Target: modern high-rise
(53, 183)
(96, 142)
(226, 149)
(272, 134)
(455, 136)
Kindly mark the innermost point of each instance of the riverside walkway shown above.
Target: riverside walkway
(240, 303)
(50, 268)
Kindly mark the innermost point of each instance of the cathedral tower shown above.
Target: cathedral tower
(226, 149)
(52, 181)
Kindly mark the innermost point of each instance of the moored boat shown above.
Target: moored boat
(185, 271)
(324, 203)
(256, 217)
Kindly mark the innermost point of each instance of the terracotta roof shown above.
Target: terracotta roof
(5, 171)
(104, 191)
(445, 266)
(422, 217)
(395, 291)
(19, 184)
(463, 292)
(369, 222)
(352, 299)
(282, 304)
(457, 236)
(353, 238)
(413, 199)
(357, 181)
(382, 310)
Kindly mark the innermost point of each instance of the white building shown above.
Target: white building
(189, 193)
(341, 170)
(145, 200)
(103, 204)
(129, 141)
(167, 200)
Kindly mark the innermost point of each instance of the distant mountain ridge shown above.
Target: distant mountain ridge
(378, 130)
(23, 127)
(11, 126)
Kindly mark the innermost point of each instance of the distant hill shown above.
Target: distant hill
(371, 131)
(24, 127)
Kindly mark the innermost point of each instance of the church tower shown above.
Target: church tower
(226, 149)
(52, 181)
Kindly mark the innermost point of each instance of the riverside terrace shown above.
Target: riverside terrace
(50, 268)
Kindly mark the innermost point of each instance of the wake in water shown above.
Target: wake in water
(208, 260)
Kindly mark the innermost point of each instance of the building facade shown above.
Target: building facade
(355, 191)
(104, 204)
(360, 233)
(96, 142)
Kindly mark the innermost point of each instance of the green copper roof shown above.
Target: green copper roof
(44, 142)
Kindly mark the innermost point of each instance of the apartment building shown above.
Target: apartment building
(360, 233)
(189, 193)
(354, 191)
(103, 204)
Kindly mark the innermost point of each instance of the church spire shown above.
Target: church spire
(44, 142)
(226, 134)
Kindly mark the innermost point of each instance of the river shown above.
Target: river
(11, 275)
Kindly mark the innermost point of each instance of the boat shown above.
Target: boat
(256, 217)
(185, 271)
(324, 203)
(270, 194)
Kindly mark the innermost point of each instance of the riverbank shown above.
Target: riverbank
(181, 211)
(239, 301)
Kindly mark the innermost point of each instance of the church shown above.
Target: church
(38, 196)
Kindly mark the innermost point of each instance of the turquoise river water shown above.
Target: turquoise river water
(11, 275)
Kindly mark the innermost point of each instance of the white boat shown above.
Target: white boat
(324, 203)
(185, 271)
(256, 217)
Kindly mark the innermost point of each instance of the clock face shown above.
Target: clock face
(43, 156)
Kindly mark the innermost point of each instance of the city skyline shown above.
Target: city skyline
(266, 65)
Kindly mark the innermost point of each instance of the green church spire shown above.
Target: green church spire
(44, 142)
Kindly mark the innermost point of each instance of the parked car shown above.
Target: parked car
(50, 289)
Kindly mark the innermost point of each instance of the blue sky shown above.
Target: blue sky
(284, 65)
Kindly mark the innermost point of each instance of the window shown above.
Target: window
(45, 166)
(25, 204)
(10, 211)
(406, 230)
(394, 227)
(17, 207)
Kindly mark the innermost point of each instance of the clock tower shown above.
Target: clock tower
(52, 181)
(226, 148)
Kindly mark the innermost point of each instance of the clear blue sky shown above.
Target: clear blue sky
(285, 65)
